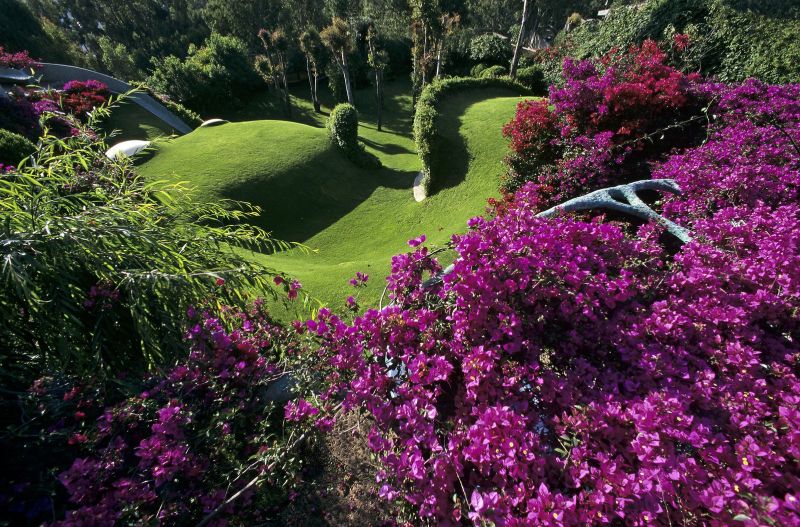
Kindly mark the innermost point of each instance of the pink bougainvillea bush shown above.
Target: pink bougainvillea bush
(24, 108)
(16, 60)
(571, 372)
(204, 437)
(81, 97)
(612, 116)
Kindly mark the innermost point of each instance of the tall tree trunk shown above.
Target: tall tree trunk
(379, 95)
(346, 73)
(316, 97)
(424, 62)
(312, 80)
(439, 57)
(526, 6)
(286, 97)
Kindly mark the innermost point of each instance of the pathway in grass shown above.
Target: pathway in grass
(353, 219)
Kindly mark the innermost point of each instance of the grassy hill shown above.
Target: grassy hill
(130, 121)
(353, 219)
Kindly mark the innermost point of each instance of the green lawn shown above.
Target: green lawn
(131, 121)
(353, 219)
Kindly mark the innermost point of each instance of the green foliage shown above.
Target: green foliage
(21, 30)
(764, 45)
(311, 46)
(343, 126)
(14, 147)
(98, 275)
(490, 49)
(118, 60)
(144, 28)
(218, 74)
(533, 78)
(338, 37)
(335, 81)
(477, 69)
(732, 39)
(493, 71)
(343, 130)
(191, 118)
(426, 135)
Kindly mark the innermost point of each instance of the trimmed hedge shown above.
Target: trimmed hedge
(493, 71)
(342, 128)
(14, 147)
(533, 78)
(477, 69)
(426, 114)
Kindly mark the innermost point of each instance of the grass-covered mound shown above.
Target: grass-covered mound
(130, 121)
(353, 219)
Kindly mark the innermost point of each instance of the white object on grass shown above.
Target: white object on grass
(126, 148)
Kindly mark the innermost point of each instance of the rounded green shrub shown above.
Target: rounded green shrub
(343, 126)
(14, 147)
(477, 69)
(533, 78)
(343, 130)
(494, 71)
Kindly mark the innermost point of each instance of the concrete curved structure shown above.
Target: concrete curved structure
(126, 148)
(213, 122)
(56, 75)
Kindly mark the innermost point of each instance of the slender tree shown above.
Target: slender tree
(527, 6)
(280, 43)
(378, 59)
(449, 22)
(276, 45)
(416, 60)
(311, 46)
(338, 39)
(267, 64)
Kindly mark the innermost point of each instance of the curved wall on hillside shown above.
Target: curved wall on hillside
(59, 74)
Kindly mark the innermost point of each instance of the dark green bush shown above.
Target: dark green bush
(494, 71)
(731, 39)
(217, 75)
(343, 130)
(477, 69)
(765, 44)
(343, 126)
(14, 147)
(426, 114)
(533, 78)
(490, 49)
(99, 274)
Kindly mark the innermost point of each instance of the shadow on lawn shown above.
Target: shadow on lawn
(451, 159)
(318, 199)
(390, 148)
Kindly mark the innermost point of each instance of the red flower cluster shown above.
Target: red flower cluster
(610, 116)
(19, 60)
(567, 373)
(80, 98)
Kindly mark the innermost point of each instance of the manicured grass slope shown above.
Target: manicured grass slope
(353, 219)
(131, 121)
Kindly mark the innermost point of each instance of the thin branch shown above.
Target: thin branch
(622, 198)
(213, 514)
(612, 199)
